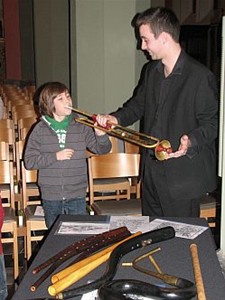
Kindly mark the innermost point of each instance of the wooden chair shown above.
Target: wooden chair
(8, 203)
(24, 126)
(6, 123)
(208, 209)
(29, 187)
(8, 199)
(131, 148)
(24, 133)
(7, 184)
(109, 180)
(22, 107)
(10, 227)
(4, 151)
(135, 182)
(29, 90)
(16, 104)
(114, 149)
(33, 223)
(23, 114)
(8, 135)
(19, 155)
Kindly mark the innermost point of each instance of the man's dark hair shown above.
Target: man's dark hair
(160, 19)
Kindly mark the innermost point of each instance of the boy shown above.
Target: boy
(57, 148)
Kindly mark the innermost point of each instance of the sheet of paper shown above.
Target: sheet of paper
(91, 296)
(82, 228)
(39, 211)
(183, 230)
(133, 223)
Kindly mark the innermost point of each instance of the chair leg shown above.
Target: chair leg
(28, 241)
(15, 251)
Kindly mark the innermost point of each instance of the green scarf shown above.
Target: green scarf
(60, 128)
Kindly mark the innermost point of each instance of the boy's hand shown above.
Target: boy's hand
(64, 154)
(98, 131)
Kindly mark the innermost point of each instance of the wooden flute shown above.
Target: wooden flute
(78, 247)
(197, 272)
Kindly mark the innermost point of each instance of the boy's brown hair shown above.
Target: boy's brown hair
(49, 91)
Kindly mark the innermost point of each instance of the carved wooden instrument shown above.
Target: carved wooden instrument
(69, 276)
(85, 246)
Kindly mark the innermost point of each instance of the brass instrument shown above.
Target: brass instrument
(127, 134)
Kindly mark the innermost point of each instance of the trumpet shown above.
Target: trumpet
(127, 134)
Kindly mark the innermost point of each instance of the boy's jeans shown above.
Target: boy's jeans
(53, 208)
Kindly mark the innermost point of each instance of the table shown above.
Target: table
(174, 259)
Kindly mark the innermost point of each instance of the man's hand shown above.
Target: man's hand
(185, 143)
(106, 120)
(64, 154)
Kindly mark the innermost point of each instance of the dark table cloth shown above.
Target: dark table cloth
(174, 259)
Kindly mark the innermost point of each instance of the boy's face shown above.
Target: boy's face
(60, 102)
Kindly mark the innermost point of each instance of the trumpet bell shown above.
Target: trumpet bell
(162, 149)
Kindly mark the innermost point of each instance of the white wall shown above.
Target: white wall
(106, 53)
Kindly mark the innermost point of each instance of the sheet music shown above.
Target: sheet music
(183, 230)
(133, 223)
(82, 228)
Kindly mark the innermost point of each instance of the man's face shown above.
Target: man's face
(149, 43)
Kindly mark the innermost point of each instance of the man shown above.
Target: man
(177, 101)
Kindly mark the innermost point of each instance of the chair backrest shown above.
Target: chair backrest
(24, 126)
(29, 186)
(26, 122)
(114, 165)
(19, 155)
(131, 148)
(209, 208)
(114, 149)
(6, 123)
(112, 172)
(4, 151)
(10, 226)
(23, 114)
(24, 132)
(22, 107)
(7, 183)
(7, 135)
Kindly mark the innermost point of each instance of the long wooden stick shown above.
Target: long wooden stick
(72, 274)
(197, 272)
